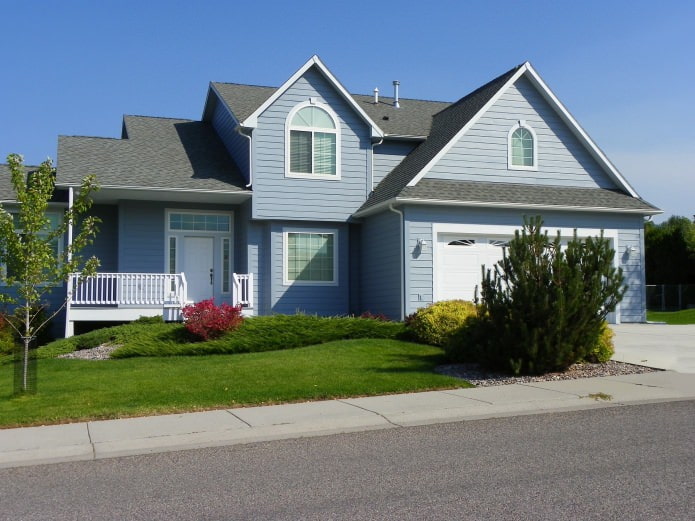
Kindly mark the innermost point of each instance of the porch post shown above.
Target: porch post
(71, 200)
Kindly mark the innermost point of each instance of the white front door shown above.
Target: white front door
(198, 265)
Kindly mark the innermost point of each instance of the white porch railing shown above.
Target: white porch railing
(128, 289)
(127, 296)
(243, 289)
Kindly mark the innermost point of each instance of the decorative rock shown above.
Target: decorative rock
(102, 352)
(482, 378)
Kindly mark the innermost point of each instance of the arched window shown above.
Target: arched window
(313, 142)
(522, 147)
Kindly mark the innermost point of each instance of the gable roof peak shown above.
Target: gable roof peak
(252, 120)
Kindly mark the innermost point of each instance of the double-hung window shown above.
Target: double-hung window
(313, 142)
(310, 257)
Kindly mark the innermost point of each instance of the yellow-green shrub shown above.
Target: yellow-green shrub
(436, 323)
(604, 348)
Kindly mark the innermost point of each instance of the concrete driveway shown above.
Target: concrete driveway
(656, 345)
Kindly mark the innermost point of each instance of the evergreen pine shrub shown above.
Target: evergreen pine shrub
(436, 323)
(543, 308)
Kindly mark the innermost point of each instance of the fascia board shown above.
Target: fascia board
(252, 120)
(578, 131)
(445, 202)
(245, 193)
(445, 149)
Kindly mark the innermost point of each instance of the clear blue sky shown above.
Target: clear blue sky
(624, 69)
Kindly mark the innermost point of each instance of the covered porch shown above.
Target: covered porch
(122, 297)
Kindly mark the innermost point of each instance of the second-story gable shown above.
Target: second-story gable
(522, 139)
(311, 154)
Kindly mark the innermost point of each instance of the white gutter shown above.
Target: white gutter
(439, 202)
(402, 257)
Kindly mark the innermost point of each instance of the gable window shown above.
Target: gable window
(522, 148)
(310, 257)
(313, 142)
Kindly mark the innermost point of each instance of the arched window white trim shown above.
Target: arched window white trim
(312, 142)
(522, 147)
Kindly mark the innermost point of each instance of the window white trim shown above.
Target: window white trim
(312, 102)
(526, 126)
(285, 241)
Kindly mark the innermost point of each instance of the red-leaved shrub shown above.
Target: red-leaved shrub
(206, 320)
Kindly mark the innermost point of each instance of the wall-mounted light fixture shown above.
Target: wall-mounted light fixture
(422, 244)
(630, 250)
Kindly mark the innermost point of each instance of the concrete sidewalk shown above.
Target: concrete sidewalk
(113, 438)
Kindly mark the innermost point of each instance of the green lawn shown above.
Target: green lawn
(70, 390)
(685, 316)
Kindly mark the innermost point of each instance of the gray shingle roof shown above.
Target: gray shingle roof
(6, 190)
(158, 153)
(445, 125)
(523, 195)
(412, 118)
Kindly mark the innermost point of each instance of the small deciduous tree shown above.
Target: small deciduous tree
(33, 266)
(543, 306)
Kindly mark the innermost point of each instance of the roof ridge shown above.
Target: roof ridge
(90, 137)
(142, 116)
(243, 84)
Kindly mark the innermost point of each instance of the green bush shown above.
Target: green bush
(265, 333)
(543, 306)
(436, 323)
(7, 338)
(604, 349)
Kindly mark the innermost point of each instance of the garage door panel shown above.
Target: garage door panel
(459, 261)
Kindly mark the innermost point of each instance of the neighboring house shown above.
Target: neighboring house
(308, 198)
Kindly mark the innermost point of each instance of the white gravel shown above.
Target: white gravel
(481, 378)
(102, 352)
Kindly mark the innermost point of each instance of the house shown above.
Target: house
(308, 198)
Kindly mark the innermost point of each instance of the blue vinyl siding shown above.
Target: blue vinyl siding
(280, 197)
(481, 153)
(105, 246)
(387, 156)
(319, 299)
(380, 277)
(237, 145)
(419, 224)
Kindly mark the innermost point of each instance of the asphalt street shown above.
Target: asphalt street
(631, 462)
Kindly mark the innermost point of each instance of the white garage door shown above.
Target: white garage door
(459, 258)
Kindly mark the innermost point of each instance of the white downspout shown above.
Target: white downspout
(69, 326)
(402, 259)
(238, 131)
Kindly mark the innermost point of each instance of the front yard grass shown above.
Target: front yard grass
(74, 390)
(684, 316)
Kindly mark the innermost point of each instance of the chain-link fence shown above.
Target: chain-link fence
(670, 297)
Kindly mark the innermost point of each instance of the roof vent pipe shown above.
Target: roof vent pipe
(396, 83)
(376, 95)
